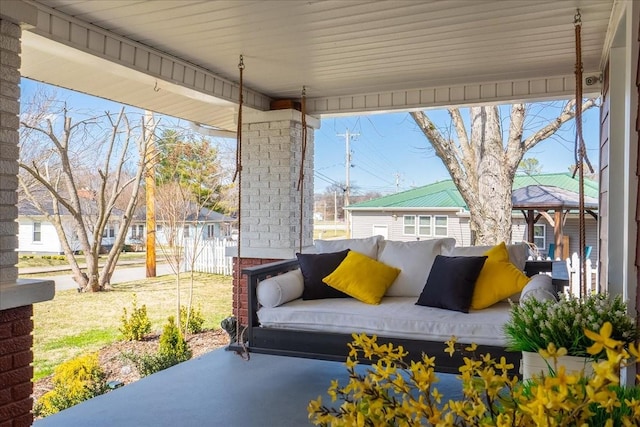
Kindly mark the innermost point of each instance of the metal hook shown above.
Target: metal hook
(241, 63)
(304, 91)
(156, 88)
(577, 19)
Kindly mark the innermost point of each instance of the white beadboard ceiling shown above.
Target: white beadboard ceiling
(352, 56)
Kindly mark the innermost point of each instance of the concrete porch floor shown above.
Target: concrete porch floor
(219, 389)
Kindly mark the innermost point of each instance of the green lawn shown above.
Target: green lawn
(74, 323)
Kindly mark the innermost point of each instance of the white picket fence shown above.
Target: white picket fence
(591, 275)
(210, 256)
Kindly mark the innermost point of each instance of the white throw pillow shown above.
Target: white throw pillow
(518, 253)
(414, 259)
(367, 246)
(280, 289)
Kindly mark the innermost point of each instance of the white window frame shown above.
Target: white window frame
(542, 247)
(36, 235)
(109, 231)
(427, 228)
(211, 231)
(436, 232)
(404, 225)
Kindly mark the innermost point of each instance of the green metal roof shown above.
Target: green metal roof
(444, 194)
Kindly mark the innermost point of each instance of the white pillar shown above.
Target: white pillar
(270, 204)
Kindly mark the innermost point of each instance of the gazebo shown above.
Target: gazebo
(536, 201)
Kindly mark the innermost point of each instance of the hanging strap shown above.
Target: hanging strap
(244, 352)
(303, 109)
(581, 155)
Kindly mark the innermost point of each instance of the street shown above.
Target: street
(121, 274)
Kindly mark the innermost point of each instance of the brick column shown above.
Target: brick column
(16, 295)
(9, 110)
(15, 366)
(15, 323)
(270, 203)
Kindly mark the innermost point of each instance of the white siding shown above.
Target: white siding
(49, 238)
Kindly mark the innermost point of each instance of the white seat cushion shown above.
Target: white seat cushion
(394, 317)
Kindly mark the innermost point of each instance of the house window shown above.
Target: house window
(185, 231)
(441, 226)
(409, 224)
(137, 231)
(539, 232)
(424, 225)
(37, 232)
(211, 231)
(109, 231)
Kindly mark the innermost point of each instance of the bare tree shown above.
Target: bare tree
(190, 188)
(482, 164)
(530, 166)
(74, 173)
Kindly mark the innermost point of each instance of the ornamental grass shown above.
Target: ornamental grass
(394, 393)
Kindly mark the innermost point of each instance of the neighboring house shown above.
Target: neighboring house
(438, 210)
(37, 235)
(206, 225)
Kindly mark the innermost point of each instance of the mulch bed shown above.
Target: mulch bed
(120, 369)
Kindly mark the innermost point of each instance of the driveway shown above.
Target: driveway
(121, 274)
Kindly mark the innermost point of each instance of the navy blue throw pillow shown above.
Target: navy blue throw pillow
(451, 282)
(316, 267)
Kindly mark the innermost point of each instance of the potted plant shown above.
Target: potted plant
(535, 324)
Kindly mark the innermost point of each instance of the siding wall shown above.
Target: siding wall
(49, 242)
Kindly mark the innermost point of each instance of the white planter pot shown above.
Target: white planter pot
(534, 364)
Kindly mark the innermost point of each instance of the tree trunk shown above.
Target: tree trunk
(483, 164)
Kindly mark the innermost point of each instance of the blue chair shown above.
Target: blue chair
(552, 251)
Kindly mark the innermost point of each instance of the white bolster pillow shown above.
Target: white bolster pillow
(280, 289)
(539, 287)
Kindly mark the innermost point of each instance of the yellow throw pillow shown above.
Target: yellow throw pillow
(499, 279)
(362, 277)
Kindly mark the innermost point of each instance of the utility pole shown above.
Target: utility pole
(397, 175)
(347, 190)
(150, 184)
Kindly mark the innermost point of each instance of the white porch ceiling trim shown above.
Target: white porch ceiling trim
(561, 87)
(136, 56)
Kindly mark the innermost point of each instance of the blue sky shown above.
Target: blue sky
(390, 152)
(391, 146)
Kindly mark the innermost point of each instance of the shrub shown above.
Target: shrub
(134, 327)
(194, 322)
(173, 350)
(74, 381)
(393, 392)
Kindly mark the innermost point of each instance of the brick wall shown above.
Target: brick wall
(15, 323)
(271, 157)
(270, 204)
(16, 371)
(9, 109)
